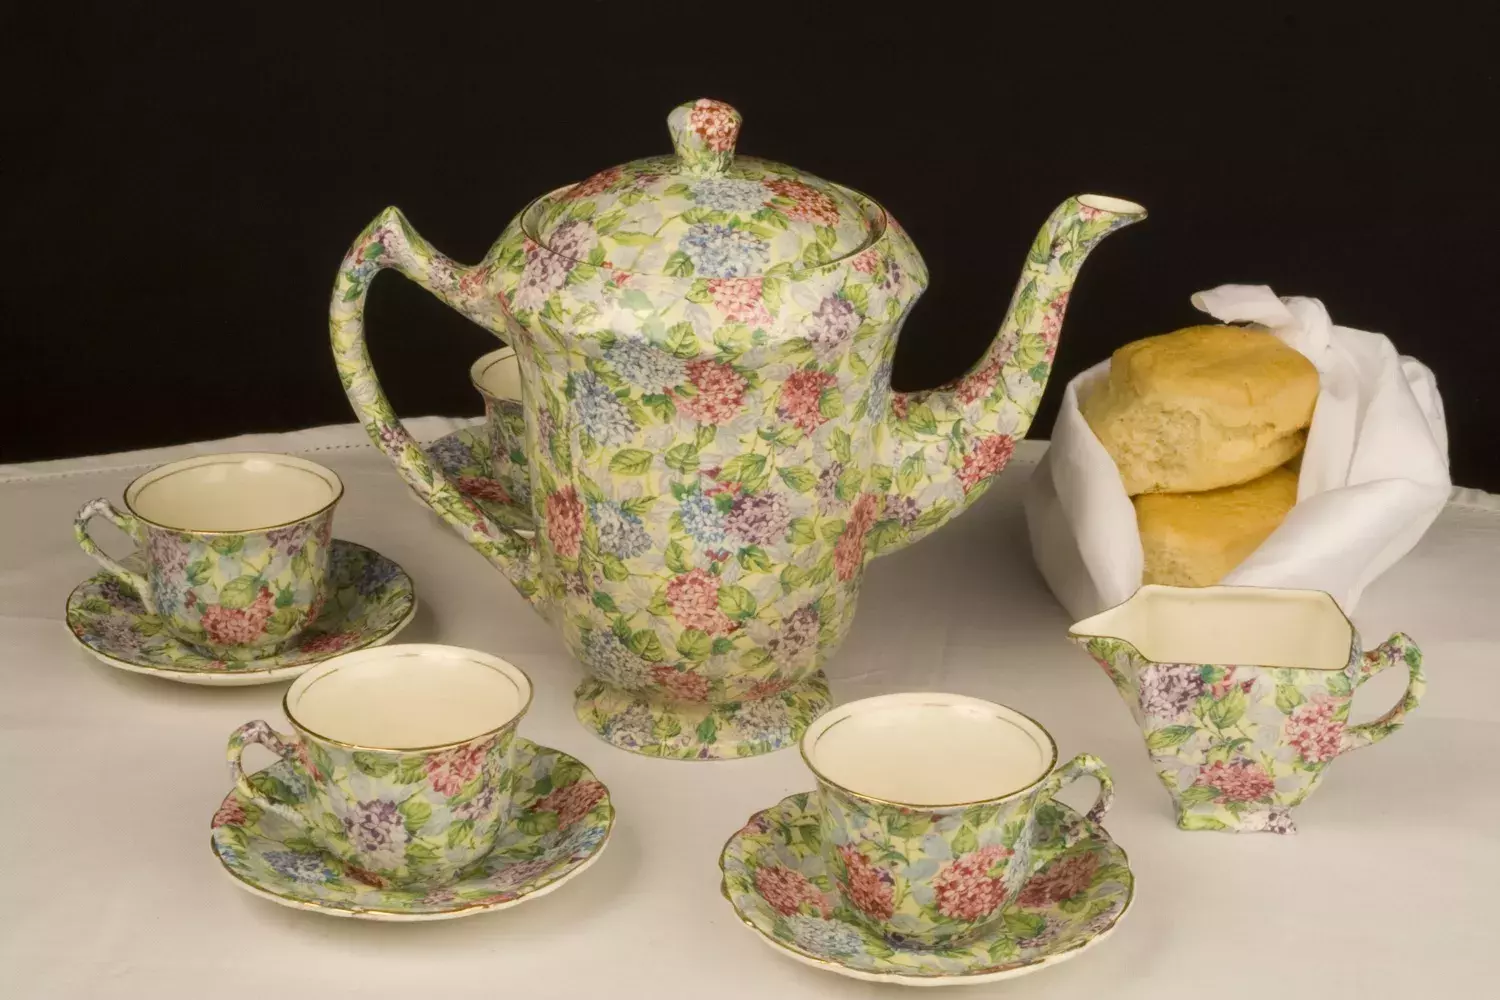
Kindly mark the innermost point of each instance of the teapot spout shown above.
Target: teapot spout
(945, 445)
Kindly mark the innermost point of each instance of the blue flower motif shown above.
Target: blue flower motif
(583, 839)
(720, 252)
(300, 867)
(375, 574)
(702, 518)
(621, 533)
(600, 410)
(824, 937)
(451, 454)
(729, 195)
(631, 728)
(648, 368)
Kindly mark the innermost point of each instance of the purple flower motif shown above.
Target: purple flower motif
(477, 808)
(761, 519)
(377, 830)
(901, 508)
(1168, 690)
(830, 327)
(828, 482)
(288, 539)
(169, 551)
(798, 638)
(514, 876)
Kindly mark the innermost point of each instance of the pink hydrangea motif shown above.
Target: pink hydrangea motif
(739, 299)
(808, 203)
(988, 457)
(1313, 730)
(484, 489)
(329, 642)
(786, 890)
(965, 889)
(450, 770)
(571, 802)
(849, 551)
(230, 813)
(1066, 878)
(694, 599)
(867, 261)
(800, 394)
(870, 889)
(715, 124)
(1236, 781)
(597, 184)
(978, 385)
(1088, 214)
(684, 685)
(721, 392)
(238, 626)
(1052, 321)
(309, 767)
(565, 522)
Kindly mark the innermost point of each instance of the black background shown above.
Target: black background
(180, 181)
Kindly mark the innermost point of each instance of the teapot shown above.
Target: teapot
(715, 449)
(1243, 693)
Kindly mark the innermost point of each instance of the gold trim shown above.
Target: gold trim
(925, 806)
(146, 669)
(352, 910)
(510, 723)
(997, 971)
(1354, 651)
(338, 495)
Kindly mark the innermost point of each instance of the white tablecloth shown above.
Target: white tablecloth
(108, 887)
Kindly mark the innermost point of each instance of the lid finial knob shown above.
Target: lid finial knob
(704, 132)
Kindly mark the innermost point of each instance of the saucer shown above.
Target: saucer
(464, 458)
(776, 880)
(370, 599)
(558, 827)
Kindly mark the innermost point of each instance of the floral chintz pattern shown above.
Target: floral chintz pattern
(466, 459)
(939, 876)
(714, 447)
(780, 881)
(237, 595)
(369, 599)
(401, 819)
(1239, 746)
(557, 821)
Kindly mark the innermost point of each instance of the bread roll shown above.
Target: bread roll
(1194, 539)
(1202, 408)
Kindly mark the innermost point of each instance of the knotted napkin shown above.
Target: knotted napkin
(1373, 477)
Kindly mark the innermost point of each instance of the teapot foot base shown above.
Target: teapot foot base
(641, 723)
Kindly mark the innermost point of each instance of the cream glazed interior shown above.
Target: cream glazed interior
(243, 491)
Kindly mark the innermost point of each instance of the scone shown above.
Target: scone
(1202, 408)
(1194, 539)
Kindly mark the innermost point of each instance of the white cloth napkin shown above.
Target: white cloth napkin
(1373, 477)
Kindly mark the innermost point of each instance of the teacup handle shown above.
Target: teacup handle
(284, 747)
(127, 524)
(1398, 649)
(1082, 766)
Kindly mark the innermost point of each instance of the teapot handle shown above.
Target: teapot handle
(389, 242)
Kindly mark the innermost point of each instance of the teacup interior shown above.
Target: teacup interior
(928, 749)
(1251, 626)
(238, 492)
(498, 374)
(408, 697)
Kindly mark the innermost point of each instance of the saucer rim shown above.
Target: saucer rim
(912, 978)
(242, 678)
(402, 916)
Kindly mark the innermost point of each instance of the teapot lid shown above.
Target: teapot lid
(706, 213)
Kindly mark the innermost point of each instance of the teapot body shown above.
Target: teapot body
(705, 467)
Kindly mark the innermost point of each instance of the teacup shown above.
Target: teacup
(497, 376)
(234, 547)
(1243, 693)
(406, 752)
(936, 808)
